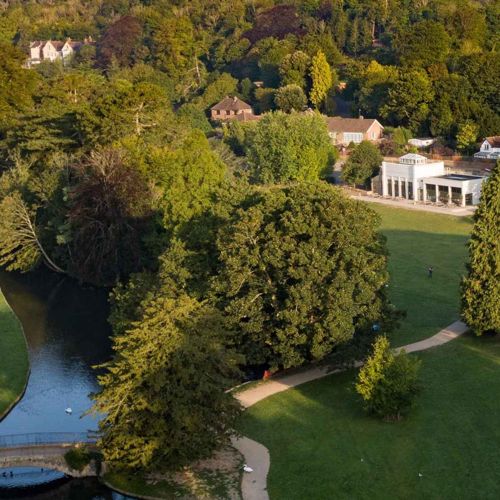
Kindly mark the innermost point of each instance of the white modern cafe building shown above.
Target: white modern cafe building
(414, 177)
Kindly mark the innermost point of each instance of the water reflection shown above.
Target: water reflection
(52, 485)
(67, 332)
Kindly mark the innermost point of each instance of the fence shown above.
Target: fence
(46, 438)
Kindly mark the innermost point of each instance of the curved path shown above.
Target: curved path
(254, 484)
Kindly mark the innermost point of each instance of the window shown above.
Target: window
(353, 137)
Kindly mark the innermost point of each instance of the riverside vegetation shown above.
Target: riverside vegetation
(222, 250)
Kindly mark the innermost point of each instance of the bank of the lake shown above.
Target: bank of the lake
(14, 363)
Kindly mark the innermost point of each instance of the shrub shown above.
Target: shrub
(388, 383)
(77, 458)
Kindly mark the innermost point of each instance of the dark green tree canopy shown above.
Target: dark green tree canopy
(363, 164)
(302, 269)
(163, 395)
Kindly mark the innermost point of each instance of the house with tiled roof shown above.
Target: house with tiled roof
(53, 50)
(343, 131)
(231, 107)
(490, 148)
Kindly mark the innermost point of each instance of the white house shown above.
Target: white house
(490, 148)
(53, 50)
(416, 178)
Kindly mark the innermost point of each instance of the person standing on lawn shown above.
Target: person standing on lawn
(430, 271)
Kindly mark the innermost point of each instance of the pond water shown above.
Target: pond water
(67, 332)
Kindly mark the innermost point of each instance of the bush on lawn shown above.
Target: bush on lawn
(388, 383)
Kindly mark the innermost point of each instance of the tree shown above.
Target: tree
(293, 69)
(162, 399)
(109, 214)
(124, 109)
(21, 247)
(375, 82)
(481, 286)
(467, 136)
(176, 50)
(426, 43)
(289, 147)
(388, 383)
(290, 98)
(276, 22)
(321, 76)
(409, 99)
(17, 86)
(186, 178)
(224, 85)
(363, 164)
(120, 42)
(301, 270)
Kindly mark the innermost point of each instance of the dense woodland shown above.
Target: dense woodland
(222, 243)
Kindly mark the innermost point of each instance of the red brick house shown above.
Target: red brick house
(343, 131)
(229, 108)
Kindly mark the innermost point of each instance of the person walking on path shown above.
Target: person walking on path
(430, 271)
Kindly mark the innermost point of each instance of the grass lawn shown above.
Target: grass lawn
(13, 357)
(417, 240)
(323, 446)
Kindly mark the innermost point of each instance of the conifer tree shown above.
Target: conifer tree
(163, 396)
(481, 287)
(321, 76)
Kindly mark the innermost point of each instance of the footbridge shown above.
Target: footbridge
(46, 450)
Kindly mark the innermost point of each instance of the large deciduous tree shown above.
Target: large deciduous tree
(289, 147)
(409, 99)
(302, 269)
(426, 43)
(481, 287)
(120, 42)
(290, 98)
(187, 178)
(109, 214)
(162, 400)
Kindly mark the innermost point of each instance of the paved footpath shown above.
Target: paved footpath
(410, 205)
(254, 484)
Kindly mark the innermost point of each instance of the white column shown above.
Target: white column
(449, 195)
(415, 188)
(424, 192)
(463, 198)
(437, 193)
(392, 187)
(400, 195)
(406, 189)
(384, 180)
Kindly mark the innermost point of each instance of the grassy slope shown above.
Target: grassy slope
(417, 240)
(323, 446)
(13, 357)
